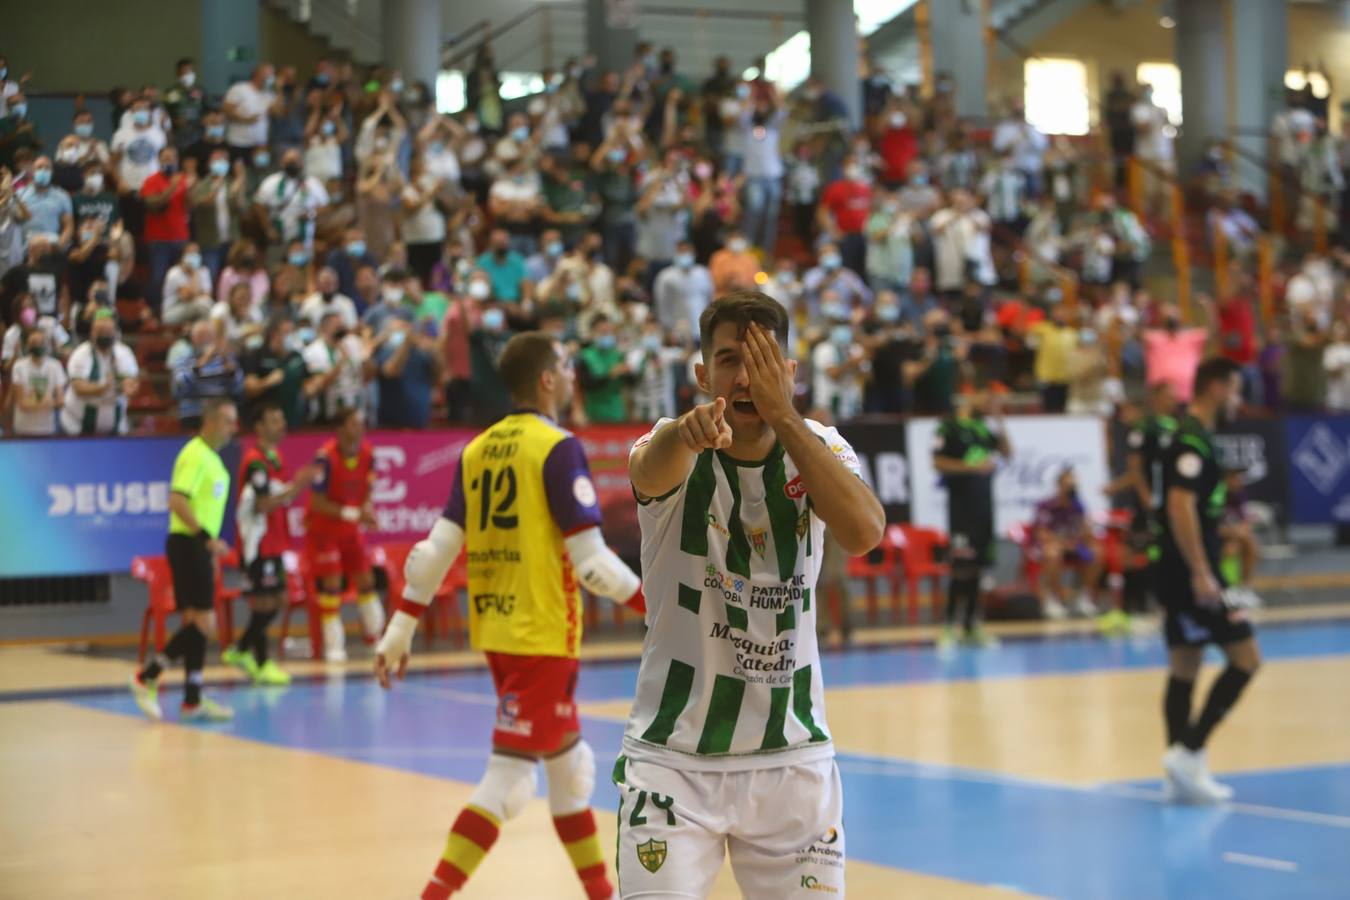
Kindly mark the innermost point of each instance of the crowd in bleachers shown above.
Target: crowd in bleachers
(333, 240)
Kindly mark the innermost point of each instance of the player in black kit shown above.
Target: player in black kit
(1187, 581)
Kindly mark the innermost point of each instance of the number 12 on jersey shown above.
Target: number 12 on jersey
(503, 487)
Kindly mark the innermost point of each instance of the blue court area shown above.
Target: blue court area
(1288, 837)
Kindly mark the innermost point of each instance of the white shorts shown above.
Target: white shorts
(783, 828)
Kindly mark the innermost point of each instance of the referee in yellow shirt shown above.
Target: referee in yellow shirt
(198, 493)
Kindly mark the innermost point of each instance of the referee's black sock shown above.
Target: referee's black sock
(972, 602)
(173, 651)
(255, 636)
(1222, 695)
(1177, 709)
(194, 659)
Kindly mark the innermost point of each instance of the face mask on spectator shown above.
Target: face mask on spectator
(617, 155)
(920, 179)
(93, 182)
(169, 168)
(293, 169)
(299, 258)
(141, 117)
(651, 342)
(19, 110)
(262, 160)
(471, 126)
(785, 276)
(188, 79)
(268, 82)
(37, 351)
(306, 335)
(42, 177)
(736, 245)
(396, 85)
(28, 317)
(554, 249)
(84, 129)
(639, 312)
(393, 295)
(1087, 337)
(898, 120)
(356, 248)
(215, 132)
(830, 261)
(853, 173)
(192, 260)
(327, 127)
(888, 313)
(605, 341)
(742, 91)
(220, 167)
(101, 298)
(479, 290)
(684, 260)
(841, 334)
(572, 291)
(104, 342)
(833, 311)
(494, 319)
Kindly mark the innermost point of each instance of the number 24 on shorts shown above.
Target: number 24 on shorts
(663, 803)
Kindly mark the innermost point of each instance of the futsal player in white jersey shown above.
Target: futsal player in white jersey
(727, 749)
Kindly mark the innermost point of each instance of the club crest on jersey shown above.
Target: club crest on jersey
(794, 489)
(758, 541)
(652, 855)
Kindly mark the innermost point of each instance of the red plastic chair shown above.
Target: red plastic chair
(919, 559)
(299, 595)
(887, 566)
(1021, 535)
(225, 598)
(444, 614)
(154, 571)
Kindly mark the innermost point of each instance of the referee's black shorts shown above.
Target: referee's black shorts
(194, 572)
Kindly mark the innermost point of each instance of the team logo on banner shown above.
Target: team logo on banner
(757, 541)
(652, 855)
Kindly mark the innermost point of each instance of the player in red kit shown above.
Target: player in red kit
(263, 536)
(339, 506)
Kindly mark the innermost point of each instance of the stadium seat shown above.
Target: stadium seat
(225, 598)
(299, 596)
(920, 550)
(154, 571)
(883, 562)
(443, 612)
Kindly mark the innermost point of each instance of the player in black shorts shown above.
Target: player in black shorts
(963, 452)
(1187, 581)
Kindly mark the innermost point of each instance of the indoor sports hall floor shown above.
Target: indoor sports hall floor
(1030, 770)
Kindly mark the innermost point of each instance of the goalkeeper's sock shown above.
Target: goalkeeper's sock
(578, 835)
(372, 615)
(471, 837)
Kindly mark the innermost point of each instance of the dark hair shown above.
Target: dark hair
(262, 409)
(526, 356)
(395, 275)
(743, 307)
(185, 61)
(1216, 368)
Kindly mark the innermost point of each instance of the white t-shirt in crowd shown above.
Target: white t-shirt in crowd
(315, 307)
(841, 396)
(221, 312)
(43, 379)
(139, 148)
(178, 276)
(249, 102)
(291, 201)
(349, 388)
(426, 224)
(1337, 357)
(442, 163)
(964, 238)
(1152, 142)
(108, 409)
(323, 158)
(57, 337)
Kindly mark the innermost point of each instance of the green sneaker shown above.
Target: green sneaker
(206, 711)
(978, 637)
(147, 697)
(269, 673)
(1115, 621)
(946, 640)
(241, 660)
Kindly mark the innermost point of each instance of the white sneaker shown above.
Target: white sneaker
(334, 641)
(1052, 609)
(1188, 772)
(147, 697)
(1084, 607)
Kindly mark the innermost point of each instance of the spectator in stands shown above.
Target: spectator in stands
(683, 290)
(44, 208)
(1237, 328)
(889, 342)
(541, 265)
(1153, 147)
(603, 373)
(1006, 191)
(379, 182)
(482, 89)
(326, 300)
(890, 244)
(1172, 353)
(326, 136)
(735, 266)
(209, 370)
(959, 165)
(932, 374)
(1056, 343)
(290, 202)
(249, 106)
(1022, 145)
(211, 139)
(838, 362)
(39, 385)
(844, 208)
(136, 156)
(961, 244)
(391, 302)
(241, 320)
(275, 373)
(1312, 288)
(27, 319)
(613, 181)
(286, 129)
(1118, 113)
(218, 202)
(103, 375)
(43, 275)
(337, 360)
(1305, 373)
(187, 289)
(94, 200)
(1063, 537)
(831, 275)
(164, 194)
(1093, 391)
(185, 101)
(16, 132)
(409, 367)
(516, 201)
(506, 269)
(1336, 362)
(242, 265)
(345, 260)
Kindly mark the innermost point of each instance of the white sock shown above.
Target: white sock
(372, 616)
(334, 638)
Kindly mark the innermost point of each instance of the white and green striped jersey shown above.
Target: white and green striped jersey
(730, 675)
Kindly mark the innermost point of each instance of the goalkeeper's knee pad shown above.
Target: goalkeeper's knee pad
(571, 779)
(506, 786)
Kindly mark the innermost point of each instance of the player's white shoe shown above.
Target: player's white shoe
(1052, 609)
(147, 697)
(334, 641)
(1084, 607)
(1189, 777)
